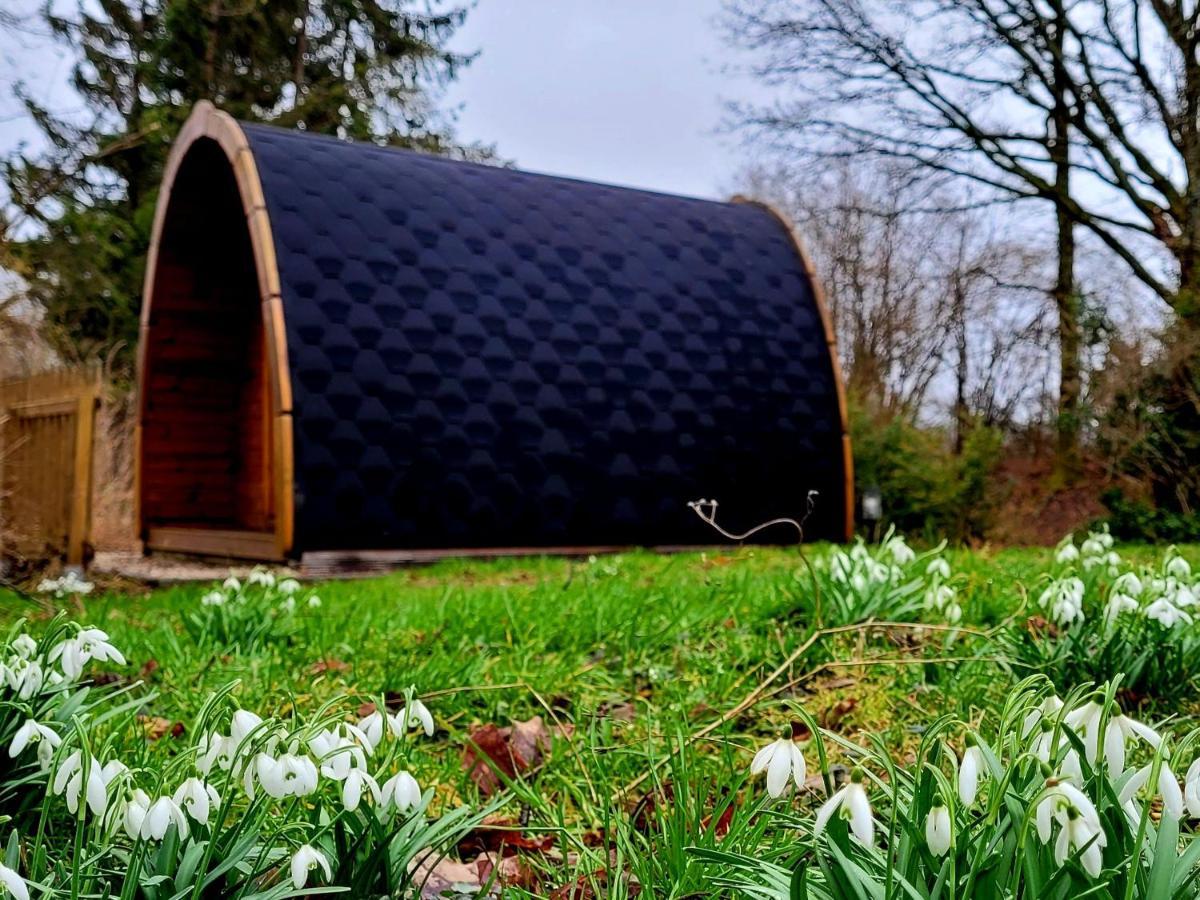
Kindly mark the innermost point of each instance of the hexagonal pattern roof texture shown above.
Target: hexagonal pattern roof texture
(482, 357)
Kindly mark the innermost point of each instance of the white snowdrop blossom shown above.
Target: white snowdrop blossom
(1086, 721)
(24, 646)
(1191, 789)
(938, 567)
(314, 602)
(69, 782)
(90, 644)
(783, 762)
(851, 803)
(1067, 551)
(401, 791)
(372, 727)
(1177, 567)
(157, 819)
(213, 598)
(1167, 614)
(937, 829)
(901, 553)
(352, 789)
(970, 771)
(288, 586)
(338, 754)
(12, 883)
(1064, 600)
(1128, 584)
(1079, 825)
(231, 584)
(215, 750)
(1119, 603)
(25, 677)
(198, 798)
(304, 861)
(244, 722)
(1167, 788)
(32, 733)
(261, 577)
(415, 715)
(291, 775)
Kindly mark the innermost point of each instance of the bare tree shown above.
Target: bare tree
(935, 310)
(1092, 106)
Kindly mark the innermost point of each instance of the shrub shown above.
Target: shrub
(927, 490)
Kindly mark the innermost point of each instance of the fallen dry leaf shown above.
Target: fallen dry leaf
(157, 727)
(321, 666)
(502, 835)
(485, 876)
(492, 751)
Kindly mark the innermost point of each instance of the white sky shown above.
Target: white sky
(631, 92)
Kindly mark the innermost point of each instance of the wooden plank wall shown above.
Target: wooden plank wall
(205, 431)
(47, 426)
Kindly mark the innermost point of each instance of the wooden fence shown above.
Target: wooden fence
(47, 424)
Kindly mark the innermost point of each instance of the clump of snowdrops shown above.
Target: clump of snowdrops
(1048, 797)
(888, 581)
(245, 614)
(1101, 617)
(258, 806)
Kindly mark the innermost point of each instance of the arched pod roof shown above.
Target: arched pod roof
(473, 356)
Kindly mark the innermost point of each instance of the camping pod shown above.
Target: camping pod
(369, 352)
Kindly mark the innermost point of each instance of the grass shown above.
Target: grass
(636, 653)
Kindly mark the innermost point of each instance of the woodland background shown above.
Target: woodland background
(1002, 198)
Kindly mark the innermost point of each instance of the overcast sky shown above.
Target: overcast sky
(624, 91)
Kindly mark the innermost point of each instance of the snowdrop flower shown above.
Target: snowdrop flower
(1166, 613)
(1060, 796)
(314, 602)
(1119, 603)
(261, 577)
(198, 797)
(1168, 789)
(304, 861)
(288, 605)
(24, 676)
(901, 553)
(969, 772)
(215, 749)
(12, 883)
(244, 722)
(157, 818)
(1178, 567)
(851, 803)
(69, 781)
(938, 567)
(401, 791)
(937, 828)
(135, 813)
(1191, 789)
(290, 775)
(783, 762)
(1127, 583)
(31, 733)
(337, 755)
(231, 584)
(1067, 551)
(288, 586)
(24, 646)
(1077, 834)
(1092, 547)
(415, 715)
(1086, 720)
(352, 788)
(213, 598)
(77, 652)
(1064, 600)
(372, 728)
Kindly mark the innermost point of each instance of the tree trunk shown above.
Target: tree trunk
(1066, 298)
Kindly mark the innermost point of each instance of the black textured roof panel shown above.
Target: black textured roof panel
(486, 357)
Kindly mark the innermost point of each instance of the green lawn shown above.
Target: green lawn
(629, 660)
